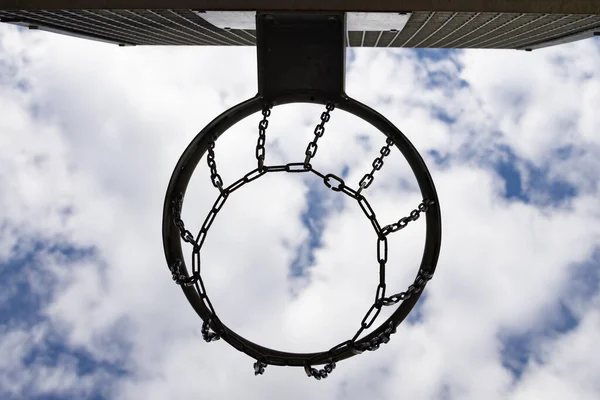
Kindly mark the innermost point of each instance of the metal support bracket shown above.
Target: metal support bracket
(301, 53)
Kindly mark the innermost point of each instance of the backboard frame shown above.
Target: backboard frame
(507, 6)
(450, 24)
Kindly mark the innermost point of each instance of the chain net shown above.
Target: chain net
(211, 327)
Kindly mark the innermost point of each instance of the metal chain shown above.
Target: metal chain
(377, 164)
(382, 254)
(259, 368)
(419, 284)
(319, 374)
(211, 217)
(207, 335)
(186, 235)
(373, 344)
(214, 175)
(334, 183)
(311, 149)
(180, 278)
(413, 216)
(262, 137)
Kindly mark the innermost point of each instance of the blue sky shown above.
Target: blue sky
(87, 145)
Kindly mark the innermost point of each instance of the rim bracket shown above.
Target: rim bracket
(301, 53)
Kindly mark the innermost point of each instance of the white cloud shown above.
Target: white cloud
(87, 150)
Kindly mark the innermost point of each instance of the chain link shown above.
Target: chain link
(262, 137)
(212, 164)
(377, 164)
(311, 149)
(413, 216)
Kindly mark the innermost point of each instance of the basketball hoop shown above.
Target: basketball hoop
(276, 44)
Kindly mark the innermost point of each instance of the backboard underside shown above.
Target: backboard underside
(459, 24)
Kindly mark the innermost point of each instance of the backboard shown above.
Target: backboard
(507, 24)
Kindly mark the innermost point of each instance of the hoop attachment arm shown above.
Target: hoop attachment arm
(301, 53)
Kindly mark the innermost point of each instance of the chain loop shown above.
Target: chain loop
(311, 149)
(338, 185)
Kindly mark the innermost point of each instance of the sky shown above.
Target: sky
(90, 134)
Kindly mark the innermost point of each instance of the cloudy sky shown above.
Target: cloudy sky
(89, 136)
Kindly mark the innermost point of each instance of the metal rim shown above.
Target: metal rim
(196, 150)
